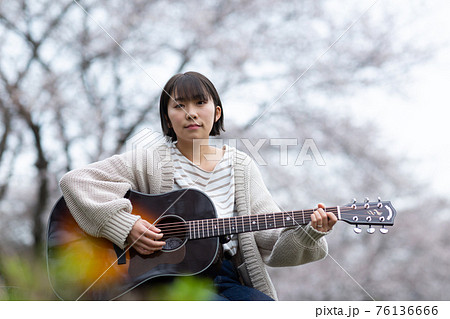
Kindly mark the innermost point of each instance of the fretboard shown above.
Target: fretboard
(216, 227)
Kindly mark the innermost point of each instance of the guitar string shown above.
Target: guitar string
(277, 215)
(234, 223)
(239, 221)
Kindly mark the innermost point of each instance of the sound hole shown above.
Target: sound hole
(175, 232)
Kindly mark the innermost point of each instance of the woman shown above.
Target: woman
(191, 112)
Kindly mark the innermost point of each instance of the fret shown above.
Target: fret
(288, 218)
(303, 217)
(242, 224)
(284, 221)
(207, 227)
(270, 225)
(190, 230)
(214, 222)
(295, 218)
(232, 225)
(198, 229)
(254, 222)
(265, 219)
(203, 229)
(249, 224)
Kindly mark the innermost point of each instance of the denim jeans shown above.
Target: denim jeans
(229, 287)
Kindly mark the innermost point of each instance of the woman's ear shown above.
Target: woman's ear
(218, 113)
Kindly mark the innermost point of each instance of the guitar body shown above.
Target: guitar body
(84, 267)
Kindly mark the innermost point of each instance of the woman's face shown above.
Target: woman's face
(192, 119)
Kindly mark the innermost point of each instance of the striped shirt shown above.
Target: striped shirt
(217, 184)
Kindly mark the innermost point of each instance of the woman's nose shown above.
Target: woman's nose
(190, 113)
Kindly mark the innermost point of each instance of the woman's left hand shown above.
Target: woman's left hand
(321, 220)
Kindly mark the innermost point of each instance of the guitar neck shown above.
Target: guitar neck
(205, 228)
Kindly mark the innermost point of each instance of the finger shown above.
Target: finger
(332, 219)
(313, 220)
(150, 231)
(317, 220)
(156, 232)
(152, 235)
(323, 214)
(151, 244)
(150, 226)
(324, 217)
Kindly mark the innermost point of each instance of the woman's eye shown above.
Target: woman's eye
(179, 105)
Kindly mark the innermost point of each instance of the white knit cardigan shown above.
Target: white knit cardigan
(95, 197)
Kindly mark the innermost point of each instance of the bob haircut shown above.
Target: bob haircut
(188, 86)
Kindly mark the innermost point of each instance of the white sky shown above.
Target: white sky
(413, 122)
(417, 124)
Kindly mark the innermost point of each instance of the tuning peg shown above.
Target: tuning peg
(370, 230)
(383, 230)
(357, 229)
(353, 203)
(366, 203)
(379, 205)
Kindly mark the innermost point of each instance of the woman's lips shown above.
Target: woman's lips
(193, 127)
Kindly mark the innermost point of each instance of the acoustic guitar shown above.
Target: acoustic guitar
(84, 267)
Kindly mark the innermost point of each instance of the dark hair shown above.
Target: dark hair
(188, 86)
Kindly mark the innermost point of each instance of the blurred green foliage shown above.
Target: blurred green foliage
(183, 289)
(25, 278)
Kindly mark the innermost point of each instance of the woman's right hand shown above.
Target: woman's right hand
(145, 238)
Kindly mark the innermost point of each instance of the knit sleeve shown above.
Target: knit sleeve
(283, 247)
(95, 197)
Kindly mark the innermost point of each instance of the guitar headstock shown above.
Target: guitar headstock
(380, 213)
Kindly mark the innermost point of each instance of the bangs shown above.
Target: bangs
(187, 88)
